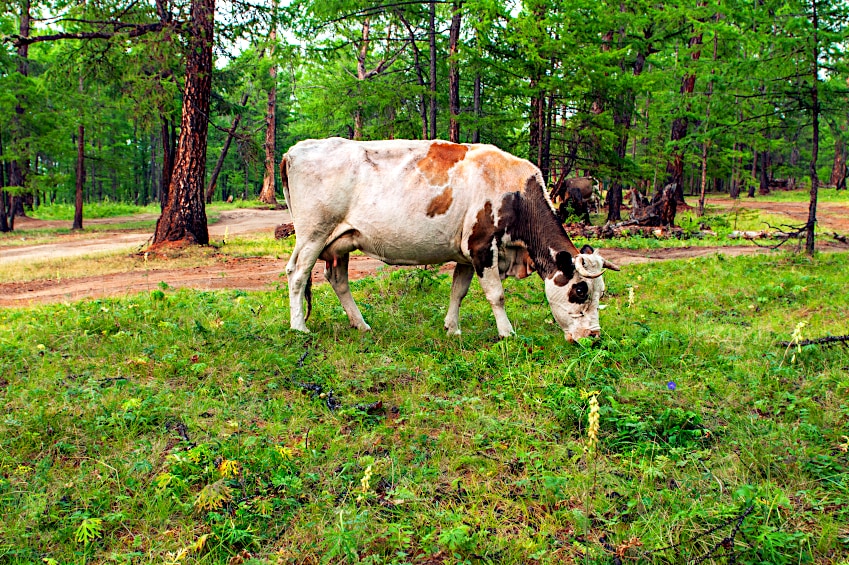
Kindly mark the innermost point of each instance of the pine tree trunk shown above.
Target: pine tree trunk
(78, 195)
(231, 133)
(476, 134)
(183, 218)
(4, 222)
(838, 168)
(432, 38)
(269, 188)
(815, 142)
(675, 165)
(454, 73)
(16, 168)
(168, 149)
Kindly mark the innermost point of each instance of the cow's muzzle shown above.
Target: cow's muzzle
(578, 334)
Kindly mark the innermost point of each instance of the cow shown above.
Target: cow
(428, 202)
(581, 192)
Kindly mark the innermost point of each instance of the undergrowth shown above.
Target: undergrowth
(194, 427)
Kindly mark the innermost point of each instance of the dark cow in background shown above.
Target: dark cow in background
(581, 194)
(428, 202)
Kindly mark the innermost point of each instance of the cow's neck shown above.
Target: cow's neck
(537, 226)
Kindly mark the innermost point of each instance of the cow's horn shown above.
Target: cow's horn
(608, 265)
(582, 270)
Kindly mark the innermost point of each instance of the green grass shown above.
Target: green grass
(93, 210)
(804, 195)
(194, 427)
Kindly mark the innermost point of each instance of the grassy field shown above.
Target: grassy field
(194, 427)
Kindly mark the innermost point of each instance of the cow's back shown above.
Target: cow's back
(409, 201)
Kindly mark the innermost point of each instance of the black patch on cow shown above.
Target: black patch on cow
(587, 250)
(527, 216)
(579, 293)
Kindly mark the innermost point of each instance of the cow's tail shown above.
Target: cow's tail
(284, 180)
(308, 297)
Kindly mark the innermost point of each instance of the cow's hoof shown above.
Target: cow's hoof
(303, 329)
(363, 328)
(452, 328)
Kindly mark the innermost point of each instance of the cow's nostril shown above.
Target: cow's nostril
(595, 333)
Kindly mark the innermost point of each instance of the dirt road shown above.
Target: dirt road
(267, 274)
(233, 222)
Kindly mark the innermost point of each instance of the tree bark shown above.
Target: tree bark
(675, 165)
(815, 142)
(78, 195)
(432, 38)
(168, 150)
(476, 134)
(231, 133)
(269, 187)
(838, 167)
(183, 218)
(454, 72)
(4, 223)
(17, 168)
(417, 65)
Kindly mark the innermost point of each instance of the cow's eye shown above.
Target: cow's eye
(579, 293)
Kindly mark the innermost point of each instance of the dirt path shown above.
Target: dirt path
(232, 222)
(831, 216)
(265, 274)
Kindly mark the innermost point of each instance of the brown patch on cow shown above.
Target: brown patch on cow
(480, 242)
(561, 280)
(439, 160)
(441, 203)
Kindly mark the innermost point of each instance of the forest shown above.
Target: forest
(137, 101)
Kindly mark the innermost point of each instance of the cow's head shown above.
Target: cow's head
(574, 292)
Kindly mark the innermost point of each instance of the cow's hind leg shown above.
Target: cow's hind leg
(298, 272)
(494, 291)
(459, 287)
(336, 274)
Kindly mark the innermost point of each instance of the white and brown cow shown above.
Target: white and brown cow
(428, 202)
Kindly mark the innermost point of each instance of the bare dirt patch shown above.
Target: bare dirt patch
(267, 274)
(831, 216)
(261, 273)
(230, 222)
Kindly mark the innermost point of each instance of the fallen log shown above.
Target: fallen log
(763, 234)
(818, 341)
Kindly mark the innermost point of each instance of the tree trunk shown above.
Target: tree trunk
(675, 165)
(838, 168)
(183, 218)
(17, 168)
(476, 134)
(417, 65)
(751, 193)
(432, 34)
(454, 72)
(213, 178)
(78, 196)
(269, 188)
(4, 222)
(815, 142)
(168, 149)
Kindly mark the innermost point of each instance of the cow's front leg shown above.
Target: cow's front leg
(336, 274)
(459, 287)
(494, 291)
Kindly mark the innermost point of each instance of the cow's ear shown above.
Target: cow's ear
(587, 250)
(563, 260)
